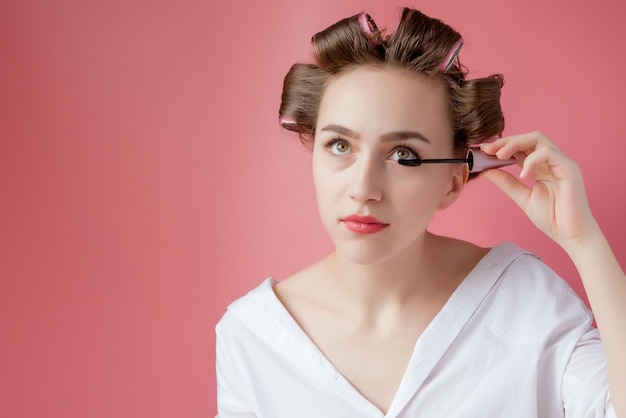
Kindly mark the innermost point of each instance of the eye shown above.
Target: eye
(337, 146)
(404, 153)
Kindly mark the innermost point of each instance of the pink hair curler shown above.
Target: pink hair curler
(447, 63)
(286, 122)
(370, 29)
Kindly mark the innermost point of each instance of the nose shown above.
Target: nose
(367, 180)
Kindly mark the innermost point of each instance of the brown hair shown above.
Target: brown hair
(420, 44)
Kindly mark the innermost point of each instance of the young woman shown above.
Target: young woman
(398, 322)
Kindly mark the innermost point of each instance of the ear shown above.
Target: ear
(459, 177)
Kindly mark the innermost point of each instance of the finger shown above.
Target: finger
(545, 160)
(534, 162)
(510, 185)
(501, 148)
(526, 143)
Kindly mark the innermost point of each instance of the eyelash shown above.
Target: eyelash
(332, 141)
(410, 149)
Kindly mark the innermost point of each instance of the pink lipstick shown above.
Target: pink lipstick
(363, 224)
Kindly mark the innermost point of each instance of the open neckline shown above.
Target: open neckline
(429, 347)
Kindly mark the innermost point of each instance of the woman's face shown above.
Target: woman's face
(369, 117)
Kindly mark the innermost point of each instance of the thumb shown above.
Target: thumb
(509, 184)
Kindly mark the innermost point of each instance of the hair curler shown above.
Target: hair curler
(447, 63)
(370, 29)
(287, 122)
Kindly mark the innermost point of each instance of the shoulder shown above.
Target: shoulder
(256, 321)
(526, 277)
(530, 302)
(239, 313)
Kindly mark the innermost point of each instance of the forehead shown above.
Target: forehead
(379, 99)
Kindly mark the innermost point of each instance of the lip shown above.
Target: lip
(363, 224)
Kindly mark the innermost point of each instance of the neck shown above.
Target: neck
(413, 275)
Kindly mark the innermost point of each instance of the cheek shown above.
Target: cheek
(318, 174)
(421, 195)
(324, 183)
(328, 174)
(327, 188)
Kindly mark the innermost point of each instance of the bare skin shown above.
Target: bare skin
(382, 316)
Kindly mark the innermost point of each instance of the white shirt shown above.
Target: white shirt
(513, 340)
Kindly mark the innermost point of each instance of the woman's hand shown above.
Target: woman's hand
(556, 201)
(557, 204)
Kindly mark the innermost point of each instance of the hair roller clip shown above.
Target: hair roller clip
(287, 122)
(370, 29)
(452, 56)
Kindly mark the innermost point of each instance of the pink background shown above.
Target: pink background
(145, 183)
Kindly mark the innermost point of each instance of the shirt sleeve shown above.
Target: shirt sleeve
(231, 401)
(585, 387)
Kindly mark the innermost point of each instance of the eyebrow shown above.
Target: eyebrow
(391, 136)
